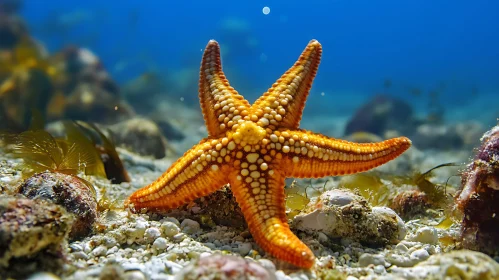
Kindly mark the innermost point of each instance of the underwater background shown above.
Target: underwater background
(100, 122)
(408, 49)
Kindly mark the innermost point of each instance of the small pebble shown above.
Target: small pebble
(420, 255)
(75, 247)
(170, 229)
(179, 237)
(401, 248)
(80, 255)
(135, 275)
(367, 259)
(112, 250)
(43, 276)
(152, 233)
(379, 269)
(190, 226)
(99, 251)
(160, 243)
(244, 248)
(426, 235)
(109, 241)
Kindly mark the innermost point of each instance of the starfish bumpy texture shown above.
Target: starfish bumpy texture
(255, 147)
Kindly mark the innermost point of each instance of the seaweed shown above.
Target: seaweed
(373, 187)
(296, 199)
(369, 186)
(41, 152)
(113, 165)
(437, 193)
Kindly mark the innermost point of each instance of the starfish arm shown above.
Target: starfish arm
(282, 105)
(262, 203)
(222, 106)
(198, 172)
(309, 155)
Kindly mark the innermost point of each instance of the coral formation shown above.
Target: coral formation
(31, 235)
(68, 191)
(479, 198)
(339, 213)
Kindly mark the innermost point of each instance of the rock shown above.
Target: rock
(427, 235)
(224, 267)
(410, 203)
(31, 236)
(152, 233)
(478, 200)
(420, 255)
(380, 114)
(460, 264)
(189, 226)
(140, 135)
(68, 191)
(99, 251)
(367, 259)
(91, 94)
(112, 272)
(217, 208)
(92, 103)
(170, 229)
(436, 136)
(338, 213)
(43, 276)
(160, 243)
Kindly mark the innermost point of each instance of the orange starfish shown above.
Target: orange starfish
(255, 147)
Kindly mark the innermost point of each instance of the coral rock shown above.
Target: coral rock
(68, 191)
(31, 234)
(461, 264)
(479, 198)
(410, 203)
(339, 213)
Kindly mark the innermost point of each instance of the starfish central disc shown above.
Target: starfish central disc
(249, 133)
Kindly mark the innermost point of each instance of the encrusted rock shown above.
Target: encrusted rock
(479, 198)
(224, 267)
(68, 191)
(339, 213)
(410, 203)
(217, 208)
(31, 234)
(461, 264)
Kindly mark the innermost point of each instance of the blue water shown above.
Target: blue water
(449, 45)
